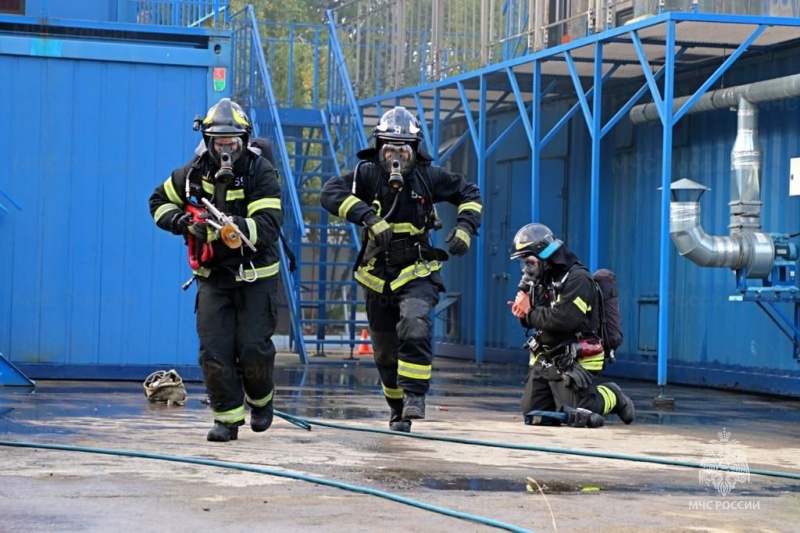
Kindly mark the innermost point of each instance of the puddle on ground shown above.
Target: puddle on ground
(334, 413)
(408, 478)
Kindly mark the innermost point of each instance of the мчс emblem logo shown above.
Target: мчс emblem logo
(724, 464)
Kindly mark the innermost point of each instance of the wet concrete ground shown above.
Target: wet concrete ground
(534, 490)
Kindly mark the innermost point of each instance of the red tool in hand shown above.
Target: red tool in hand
(199, 252)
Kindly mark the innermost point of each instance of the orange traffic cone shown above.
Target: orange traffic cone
(365, 348)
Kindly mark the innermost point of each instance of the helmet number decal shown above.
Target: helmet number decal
(398, 128)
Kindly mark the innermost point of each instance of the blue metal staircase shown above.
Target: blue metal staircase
(310, 146)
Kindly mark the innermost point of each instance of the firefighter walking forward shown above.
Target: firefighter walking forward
(236, 303)
(391, 194)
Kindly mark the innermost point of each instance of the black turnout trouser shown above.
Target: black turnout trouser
(546, 391)
(401, 330)
(235, 326)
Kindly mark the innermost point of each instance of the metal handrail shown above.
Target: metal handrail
(257, 71)
(182, 13)
(277, 133)
(350, 110)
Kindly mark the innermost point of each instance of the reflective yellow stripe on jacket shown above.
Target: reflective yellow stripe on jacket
(376, 284)
(260, 272)
(370, 281)
(417, 270)
(593, 363)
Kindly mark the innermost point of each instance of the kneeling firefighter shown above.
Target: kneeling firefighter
(226, 205)
(391, 193)
(558, 299)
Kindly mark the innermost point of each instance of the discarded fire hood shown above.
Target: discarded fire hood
(768, 258)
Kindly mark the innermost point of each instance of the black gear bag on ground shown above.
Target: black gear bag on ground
(610, 319)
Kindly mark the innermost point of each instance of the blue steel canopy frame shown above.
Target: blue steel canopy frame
(618, 53)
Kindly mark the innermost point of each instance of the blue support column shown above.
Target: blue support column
(479, 244)
(597, 126)
(667, 121)
(536, 147)
(437, 128)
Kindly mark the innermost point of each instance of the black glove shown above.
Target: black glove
(458, 240)
(180, 222)
(378, 230)
(204, 232)
(565, 359)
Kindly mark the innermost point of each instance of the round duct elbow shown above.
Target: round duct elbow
(695, 244)
(753, 251)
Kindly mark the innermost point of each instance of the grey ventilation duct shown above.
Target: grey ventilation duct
(762, 91)
(745, 247)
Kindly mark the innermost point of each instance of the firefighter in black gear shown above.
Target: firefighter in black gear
(558, 299)
(236, 302)
(391, 193)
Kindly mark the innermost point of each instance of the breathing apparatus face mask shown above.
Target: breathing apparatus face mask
(225, 153)
(532, 268)
(397, 160)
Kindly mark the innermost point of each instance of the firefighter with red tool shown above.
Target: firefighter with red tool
(226, 205)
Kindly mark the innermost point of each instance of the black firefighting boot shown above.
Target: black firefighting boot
(578, 417)
(624, 409)
(261, 417)
(222, 432)
(396, 420)
(413, 406)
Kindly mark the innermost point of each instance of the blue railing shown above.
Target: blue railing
(296, 56)
(343, 112)
(182, 13)
(252, 88)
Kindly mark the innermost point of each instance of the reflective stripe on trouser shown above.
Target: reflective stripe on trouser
(260, 402)
(609, 399)
(237, 355)
(406, 313)
(230, 417)
(384, 347)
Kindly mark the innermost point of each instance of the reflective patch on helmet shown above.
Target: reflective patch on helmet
(547, 252)
(241, 119)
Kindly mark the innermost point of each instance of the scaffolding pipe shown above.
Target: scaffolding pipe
(761, 91)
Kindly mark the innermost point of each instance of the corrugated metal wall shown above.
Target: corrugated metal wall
(87, 279)
(713, 341)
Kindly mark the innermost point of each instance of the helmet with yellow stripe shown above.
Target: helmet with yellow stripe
(226, 119)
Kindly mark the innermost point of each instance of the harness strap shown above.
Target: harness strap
(248, 186)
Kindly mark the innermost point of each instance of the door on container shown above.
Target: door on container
(552, 206)
(508, 209)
